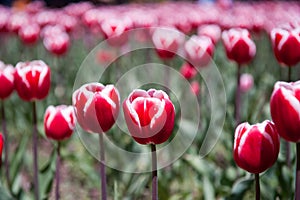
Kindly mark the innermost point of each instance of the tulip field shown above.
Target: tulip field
(168, 100)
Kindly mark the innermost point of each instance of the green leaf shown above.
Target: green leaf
(47, 174)
(16, 162)
(4, 194)
(240, 188)
(208, 188)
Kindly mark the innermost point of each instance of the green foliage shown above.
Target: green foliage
(191, 177)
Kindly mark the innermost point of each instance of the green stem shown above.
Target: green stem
(297, 188)
(154, 173)
(102, 167)
(6, 143)
(35, 154)
(57, 175)
(257, 187)
(238, 97)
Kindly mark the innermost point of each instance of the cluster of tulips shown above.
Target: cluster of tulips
(150, 115)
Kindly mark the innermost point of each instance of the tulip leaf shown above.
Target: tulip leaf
(240, 188)
(17, 160)
(208, 189)
(47, 174)
(4, 194)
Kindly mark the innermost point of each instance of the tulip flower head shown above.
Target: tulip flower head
(167, 42)
(238, 45)
(58, 44)
(256, 147)
(29, 33)
(210, 30)
(246, 82)
(96, 106)
(285, 109)
(198, 50)
(286, 45)
(59, 122)
(16, 21)
(32, 80)
(149, 116)
(6, 80)
(115, 30)
(195, 88)
(188, 71)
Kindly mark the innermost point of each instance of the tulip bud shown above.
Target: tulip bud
(238, 45)
(285, 110)
(6, 80)
(195, 88)
(16, 21)
(32, 80)
(59, 122)
(199, 50)
(256, 147)
(29, 33)
(149, 116)
(286, 45)
(212, 31)
(188, 71)
(57, 44)
(96, 106)
(115, 31)
(246, 82)
(166, 42)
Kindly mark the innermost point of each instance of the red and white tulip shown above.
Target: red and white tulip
(238, 45)
(149, 116)
(256, 147)
(285, 110)
(32, 80)
(96, 106)
(59, 122)
(6, 80)
(286, 45)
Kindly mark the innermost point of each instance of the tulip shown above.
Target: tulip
(115, 30)
(68, 22)
(241, 49)
(150, 119)
(32, 82)
(59, 123)
(29, 33)
(97, 107)
(4, 17)
(166, 42)
(195, 88)
(16, 21)
(46, 17)
(285, 110)
(286, 45)
(246, 82)
(256, 148)
(6, 80)
(149, 116)
(210, 30)
(198, 50)
(238, 45)
(57, 44)
(6, 88)
(188, 71)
